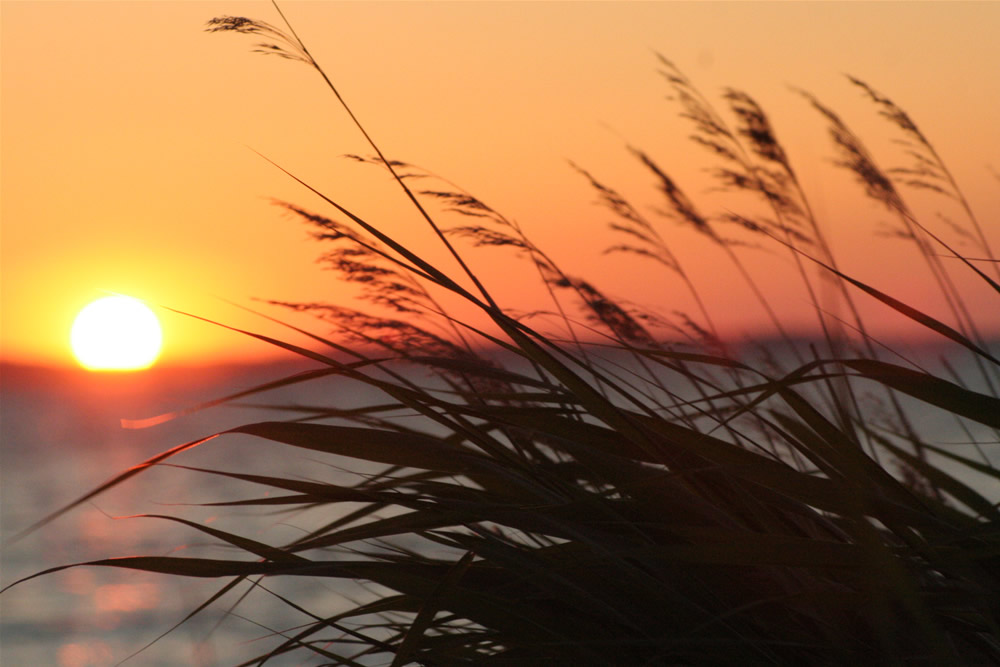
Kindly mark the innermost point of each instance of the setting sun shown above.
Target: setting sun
(116, 333)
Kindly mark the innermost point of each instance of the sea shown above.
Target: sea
(61, 436)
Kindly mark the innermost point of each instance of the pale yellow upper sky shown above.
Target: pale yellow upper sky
(126, 137)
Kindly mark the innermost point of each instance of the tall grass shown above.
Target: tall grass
(629, 490)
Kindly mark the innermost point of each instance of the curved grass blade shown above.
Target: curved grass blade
(430, 607)
(390, 447)
(983, 468)
(946, 395)
(265, 551)
(303, 376)
(900, 307)
(947, 483)
(114, 481)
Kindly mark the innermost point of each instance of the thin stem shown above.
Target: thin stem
(388, 165)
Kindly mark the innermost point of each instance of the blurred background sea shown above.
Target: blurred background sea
(61, 436)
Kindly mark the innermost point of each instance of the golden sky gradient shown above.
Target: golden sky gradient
(127, 134)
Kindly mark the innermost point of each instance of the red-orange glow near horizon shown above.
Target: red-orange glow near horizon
(129, 156)
(116, 333)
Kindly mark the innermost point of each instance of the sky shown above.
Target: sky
(132, 146)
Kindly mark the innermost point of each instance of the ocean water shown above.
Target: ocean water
(61, 437)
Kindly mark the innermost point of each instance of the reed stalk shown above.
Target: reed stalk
(617, 495)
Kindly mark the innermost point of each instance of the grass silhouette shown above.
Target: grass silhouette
(606, 495)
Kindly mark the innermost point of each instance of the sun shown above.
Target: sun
(116, 333)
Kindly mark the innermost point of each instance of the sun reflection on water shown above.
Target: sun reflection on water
(127, 597)
(85, 654)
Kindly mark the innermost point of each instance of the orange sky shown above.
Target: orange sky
(126, 137)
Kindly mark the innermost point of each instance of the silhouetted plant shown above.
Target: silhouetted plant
(612, 496)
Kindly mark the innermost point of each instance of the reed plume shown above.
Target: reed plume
(621, 494)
